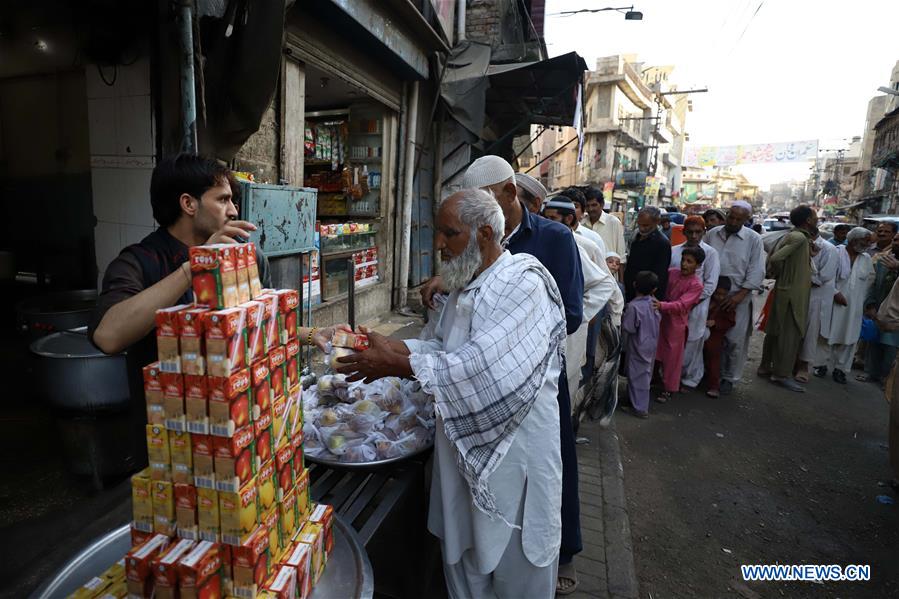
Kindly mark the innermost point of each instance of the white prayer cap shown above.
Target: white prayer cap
(486, 171)
(857, 233)
(610, 254)
(742, 204)
(559, 202)
(531, 185)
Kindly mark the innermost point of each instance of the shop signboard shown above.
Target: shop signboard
(780, 152)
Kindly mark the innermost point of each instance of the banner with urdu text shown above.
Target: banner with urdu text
(794, 151)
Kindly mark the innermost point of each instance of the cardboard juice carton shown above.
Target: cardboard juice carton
(238, 513)
(265, 448)
(173, 400)
(271, 519)
(277, 362)
(208, 522)
(265, 480)
(313, 534)
(243, 281)
(355, 341)
(284, 583)
(251, 563)
(214, 275)
(270, 323)
(292, 363)
(142, 500)
(200, 572)
(298, 464)
(230, 406)
(302, 491)
(284, 471)
(203, 460)
(158, 452)
(192, 340)
(323, 515)
(253, 271)
(153, 394)
(139, 565)
(94, 587)
(295, 413)
(181, 453)
(288, 314)
(262, 389)
(167, 338)
(186, 511)
(139, 537)
(196, 404)
(300, 559)
(288, 512)
(165, 569)
(279, 423)
(226, 341)
(235, 462)
(164, 507)
(255, 330)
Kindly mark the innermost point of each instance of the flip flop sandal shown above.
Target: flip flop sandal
(802, 377)
(663, 397)
(568, 574)
(712, 393)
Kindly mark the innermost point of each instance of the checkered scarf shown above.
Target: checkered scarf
(485, 388)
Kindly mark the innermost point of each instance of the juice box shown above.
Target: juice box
(288, 301)
(139, 562)
(142, 500)
(191, 339)
(229, 403)
(238, 512)
(298, 464)
(199, 572)
(312, 534)
(173, 400)
(167, 338)
(271, 519)
(165, 569)
(292, 363)
(214, 275)
(277, 362)
(115, 572)
(255, 330)
(300, 559)
(265, 448)
(196, 404)
(139, 537)
(158, 452)
(182, 457)
(203, 459)
(92, 588)
(302, 491)
(294, 413)
(323, 515)
(208, 523)
(284, 583)
(235, 462)
(284, 468)
(164, 507)
(270, 322)
(265, 480)
(355, 341)
(226, 341)
(243, 281)
(253, 271)
(262, 388)
(186, 511)
(279, 422)
(251, 563)
(153, 394)
(287, 509)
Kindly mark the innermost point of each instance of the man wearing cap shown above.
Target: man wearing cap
(650, 250)
(713, 217)
(606, 225)
(580, 203)
(742, 259)
(530, 191)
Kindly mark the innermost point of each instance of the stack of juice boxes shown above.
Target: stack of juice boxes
(223, 508)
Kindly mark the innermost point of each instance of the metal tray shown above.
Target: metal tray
(348, 573)
(376, 465)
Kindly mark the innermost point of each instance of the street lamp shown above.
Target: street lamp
(629, 13)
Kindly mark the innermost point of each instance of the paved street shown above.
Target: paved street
(761, 476)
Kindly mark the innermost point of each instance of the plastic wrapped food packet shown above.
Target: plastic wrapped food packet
(359, 454)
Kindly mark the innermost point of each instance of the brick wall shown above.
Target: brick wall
(260, 154)
(482, 20)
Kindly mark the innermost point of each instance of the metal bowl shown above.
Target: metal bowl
(376, 465)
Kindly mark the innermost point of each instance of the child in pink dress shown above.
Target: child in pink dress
(684, 290)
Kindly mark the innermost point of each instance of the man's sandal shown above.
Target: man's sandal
(566, 583)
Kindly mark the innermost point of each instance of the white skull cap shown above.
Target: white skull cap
(486, 171)
(532, 185)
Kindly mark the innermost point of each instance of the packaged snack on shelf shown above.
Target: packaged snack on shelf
(265, 480)
(186, 511)
(235, 462)
(238, 513)
(311, 534)
(196, 404)
(214, 275)
(262, 388)
(165, 569)
(167, 338)
(142, 500)
(284, 467)
(355, 341)
(164, 507)
(288, 314)
(302, 491)
(200, 572)
(265, 448)
(203, 458)
(255, 330)
(300, 559)
(173, 400)
(139, 537)
(271, 519)
(270, 323)
(181, 454)
(251, 564)
(208, 523)
(292, 363)
(253, 271)
(284, 583)
(277, 362)
(158, 452)
(153, 394)
(138, 565)
(323, 515)
(230, 406)
(226, 341)
(191, 339)
(279, 424)
(288, 512)
(243, 282)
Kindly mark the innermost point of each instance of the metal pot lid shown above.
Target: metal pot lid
(67, 345)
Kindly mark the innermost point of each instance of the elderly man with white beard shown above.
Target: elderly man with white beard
(493, 367)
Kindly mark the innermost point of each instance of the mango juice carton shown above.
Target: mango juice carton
(229, 403)
(284, 471)
(265, 448)
(277, 362)
(303, 501)
(284, 583)
(153, 394)
(313, 534)
(262, 389)
(243, 281)
(270, 321)
(181, 453)
(173, 400)
(292, 363)
(265, 480)
(235, 462)
(142, 500)
(208, 521)
(164, 507)
(138, 565)
(94, 587)
(255, 330)
(200, 572)
(288, 315)
(167, 338)
(355, 341)
(253, 271)
(251, 564)
(279, 423)
(186, 511)
(323, 515)
(191, 338)
(196, 404)
(139, 537)
(203, 459)
(271, 519)
(165, 569)
(158, 452)
(226, 341)
(214, 275)
(294, 413)
(299, 463)
(300, 559)
(238, 513)
(287, 509)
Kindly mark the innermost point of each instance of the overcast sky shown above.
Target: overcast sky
(777, 70)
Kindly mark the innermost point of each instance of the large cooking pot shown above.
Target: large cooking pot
(62, 311)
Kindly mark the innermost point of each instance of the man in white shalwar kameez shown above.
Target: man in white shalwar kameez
(820, 304)
(493, 367)
(697, 331)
